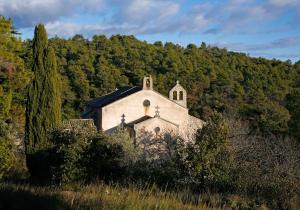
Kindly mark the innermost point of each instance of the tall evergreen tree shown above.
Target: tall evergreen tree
(44, 100)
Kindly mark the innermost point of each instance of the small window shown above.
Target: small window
(181, 95)
(175, 95)
(148, 83)
(156, 130)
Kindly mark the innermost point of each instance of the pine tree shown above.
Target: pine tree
(44, 101)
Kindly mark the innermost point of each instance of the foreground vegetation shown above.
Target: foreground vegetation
(239, 172)
(103, 196)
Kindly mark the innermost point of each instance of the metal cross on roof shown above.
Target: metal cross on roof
(123, 119)
(157, 111)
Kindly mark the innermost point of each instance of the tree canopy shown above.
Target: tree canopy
(215, 79)
(257, 89)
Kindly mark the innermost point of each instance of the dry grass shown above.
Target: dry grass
(101, 196)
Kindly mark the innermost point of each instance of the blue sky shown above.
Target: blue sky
(266, 28)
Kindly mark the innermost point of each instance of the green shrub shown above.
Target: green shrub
(68, 154)
(6, 149)
(103, 159)
(207, 161)
(131, 152)
(156, 159)
(6, 157)
(83, 154)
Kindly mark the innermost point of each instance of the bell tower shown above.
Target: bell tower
(147, 83)
(178, 94)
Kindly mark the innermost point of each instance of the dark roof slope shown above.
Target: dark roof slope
(114, 96)
(141, 119)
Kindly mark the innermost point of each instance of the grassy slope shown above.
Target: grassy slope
(98, 196)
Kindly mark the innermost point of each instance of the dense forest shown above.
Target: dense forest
(265, 92)
(259, 92)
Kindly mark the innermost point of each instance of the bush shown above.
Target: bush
(207, 161)
(162, 173)
(132, 153)
(83, 154)
(67, 162)
(156, 159)
(103, 159)
(6, 149)
(6, 157)
(266, 167)
(203, 163)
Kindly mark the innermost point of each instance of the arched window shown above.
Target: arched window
(181, 95)
(175, 95)
(148, 83)
(157, 130)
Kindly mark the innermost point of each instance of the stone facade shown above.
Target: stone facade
(142, 109)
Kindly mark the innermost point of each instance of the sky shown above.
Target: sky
(260, 28)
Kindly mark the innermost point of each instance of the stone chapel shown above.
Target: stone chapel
(142, 109)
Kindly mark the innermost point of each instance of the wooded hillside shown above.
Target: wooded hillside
(265, 92)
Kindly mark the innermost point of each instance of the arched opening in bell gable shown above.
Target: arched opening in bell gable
(175, 95)
(181, 95)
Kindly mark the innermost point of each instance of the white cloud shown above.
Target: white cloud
(70, 29)
(148, 16)
(63, 29)
(267, 50)
(26, 13)
(281, 43)
(142, 12)
(283, 3)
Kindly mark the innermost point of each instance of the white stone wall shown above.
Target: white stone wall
(133, 109)
(190, 127)
(150, 125)
(156, 145)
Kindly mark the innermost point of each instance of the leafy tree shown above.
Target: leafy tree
(83, 154)
(68, 160)
(208, 160)
(13, 77)
(13, 81)
(293, 105)
(132, 153)
(105, 160)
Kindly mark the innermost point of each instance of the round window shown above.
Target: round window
(146, 103)
(157, 129)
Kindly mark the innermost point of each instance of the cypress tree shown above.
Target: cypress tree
(44, 101)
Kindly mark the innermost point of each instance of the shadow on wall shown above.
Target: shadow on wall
(157, 146)
(16, 199)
